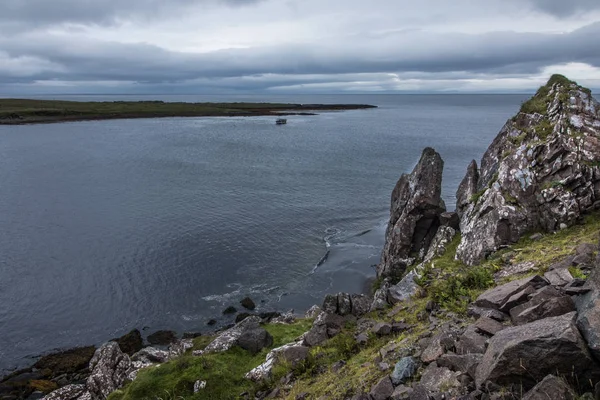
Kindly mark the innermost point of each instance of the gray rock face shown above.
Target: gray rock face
(437, 379)
(551, 345)
(466, 364)
(403, 370)
(551, 388)
(488, 326)
(228, 339)
(254, 340)
(414, 215)
(471, 342)
(361, 304)
(496, 297)
(536, 310)
(151, 355)
(539, 173)
(440, 241)
(109, 368)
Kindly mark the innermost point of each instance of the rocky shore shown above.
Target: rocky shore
(497, 300)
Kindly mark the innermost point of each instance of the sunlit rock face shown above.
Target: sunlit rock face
(542, 172)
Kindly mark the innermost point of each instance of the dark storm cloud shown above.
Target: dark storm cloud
(565, 8)
(36, 13)
(498, 53)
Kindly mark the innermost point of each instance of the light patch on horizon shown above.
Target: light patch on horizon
(211, 46)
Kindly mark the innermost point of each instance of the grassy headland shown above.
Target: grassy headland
(25, 111)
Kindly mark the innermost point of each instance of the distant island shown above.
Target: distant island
(27, 111)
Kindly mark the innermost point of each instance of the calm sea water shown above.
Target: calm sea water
(160, 223)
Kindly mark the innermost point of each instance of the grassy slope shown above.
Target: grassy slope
(19, 111)
(224, 372)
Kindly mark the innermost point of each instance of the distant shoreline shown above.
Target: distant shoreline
(26, 111)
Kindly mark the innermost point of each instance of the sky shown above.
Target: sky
(295, 46)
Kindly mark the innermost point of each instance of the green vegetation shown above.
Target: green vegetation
(475, 198)
(223, 372)
(445, 281)
(538, 104)
(24, 111)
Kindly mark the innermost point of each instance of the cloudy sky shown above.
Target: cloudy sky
(288, 46)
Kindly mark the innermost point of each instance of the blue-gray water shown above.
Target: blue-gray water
(161, 223)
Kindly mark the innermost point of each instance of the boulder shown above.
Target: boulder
(416, 206)
(330, 304)
(588, 307)
(551, 388)
(292, 354)
(228, 338)
(488, 326)
(404, 370)
(324, 327)
(471, 342)
(538, 309)
(69, 392)
(404, 289)
(536, 175)
(109, 368)
(499, 295)
(515, 269)
(361, 303)
(558, 277)
(162, 338)
(131, 342)
(254, 340)
(380, 298)
(248, 303)
(313, 312)
(435, 348)
(401, 393)
(466, 363)
(382, 329)
(450, 219)
(517, 298)
(528, 353)
(151, 355)
(382, 390)
(478, 312)
(438, 379)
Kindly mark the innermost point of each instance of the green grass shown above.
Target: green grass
(19, 111)
(223, 372)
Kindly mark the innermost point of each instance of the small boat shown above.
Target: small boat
(281, 121)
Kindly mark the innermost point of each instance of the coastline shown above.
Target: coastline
(27, 111)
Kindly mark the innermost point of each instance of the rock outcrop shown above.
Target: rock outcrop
(542, 172)
(414, 215)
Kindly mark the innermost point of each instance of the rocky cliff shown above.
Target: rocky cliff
(541, 173)
(414, 215)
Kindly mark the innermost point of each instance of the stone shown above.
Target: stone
(361, 396)
(69, 392)
(437, 379)
(316, 336)
(361, 304)
(466, 363)
(241, 316)
(535, 237)
(419, 393)
(380, 298)
(488, 326)
(551, 345)
(551, 388)
(179, 347)
(496, 297)
(337, 366)
(529, 181)
(131, 342)
(588, 307)
(362, 339)
(478, 312)
(450, 219)
(404, 370)
(109, 369)
(330, 304)
(313, 312)
(517, 299)
(344, 304)
(434, 349)
(254, 340)
(68, 361)
(229, 310)
(399, 327)
(404, 289)
(292, 354)
(228, 338)
(382, 390)
(151, 355)
(162, 338)
(199, 385)
(286, 318)
(248, 303)
(540, 309)
(401, 393)
(416, 206)
(440, 241)
(471, 342)
(211, 322)
(382, 329)
(558, 277)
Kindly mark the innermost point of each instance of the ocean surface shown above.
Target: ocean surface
(107, 226)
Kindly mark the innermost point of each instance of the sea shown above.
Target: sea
(108, 226)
